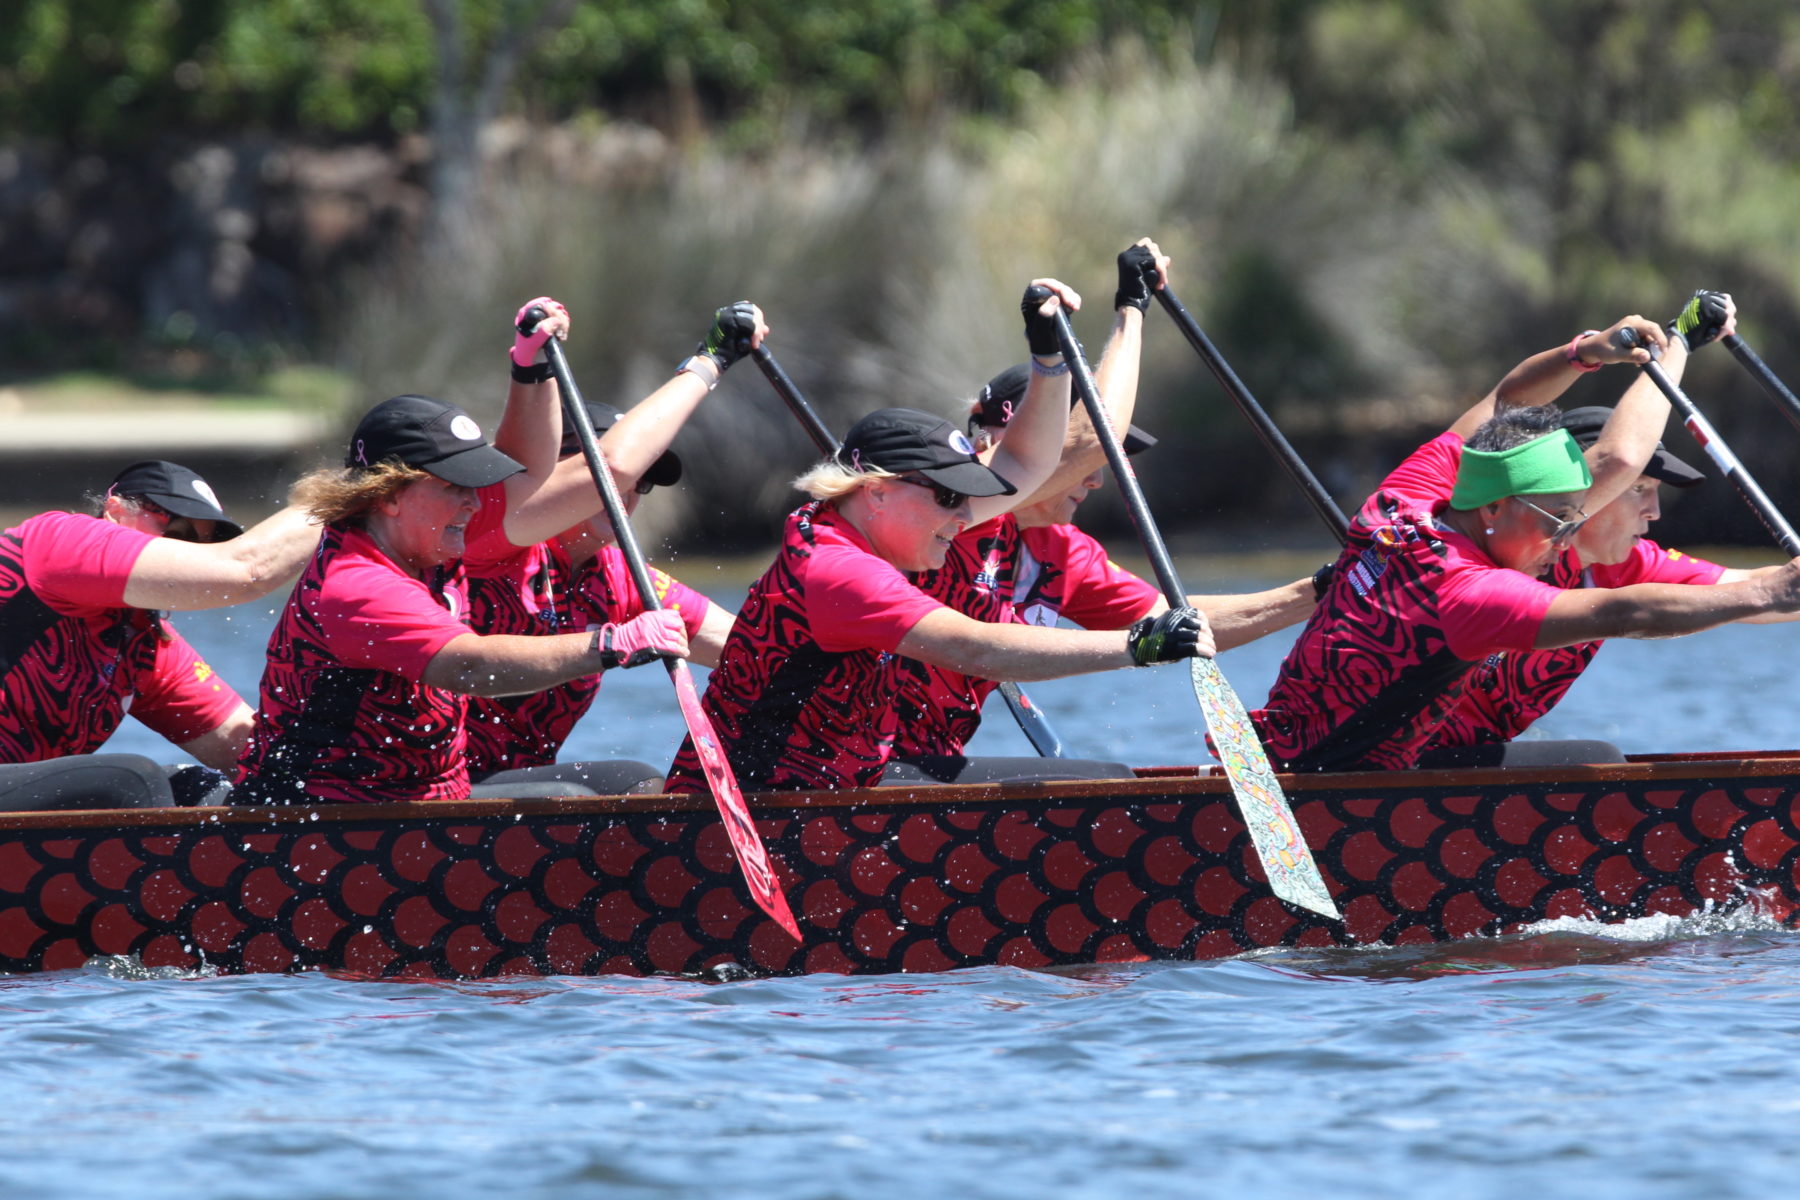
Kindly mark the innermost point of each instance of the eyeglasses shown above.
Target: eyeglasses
(946, 499)
(180, 528)
(1561, 529)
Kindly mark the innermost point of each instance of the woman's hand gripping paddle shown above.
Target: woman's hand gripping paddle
(753, 858)
(1286, 860)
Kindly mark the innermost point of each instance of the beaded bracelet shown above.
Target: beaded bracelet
(1051, 371)
(1574, 355)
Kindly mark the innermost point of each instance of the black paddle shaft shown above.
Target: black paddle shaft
(784, 387)
(576, 414)
(1089, 392)
(1771, 383)
(1725, 460)
(1272, 437)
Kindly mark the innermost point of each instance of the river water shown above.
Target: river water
(1645, 1060)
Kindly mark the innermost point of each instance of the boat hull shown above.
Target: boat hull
(887, 880)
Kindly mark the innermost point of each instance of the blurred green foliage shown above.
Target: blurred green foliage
(106, 72)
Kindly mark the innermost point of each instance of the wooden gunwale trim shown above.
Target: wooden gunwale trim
(1157, 783)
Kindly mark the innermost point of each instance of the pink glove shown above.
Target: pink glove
(526, 345)
(644, 638)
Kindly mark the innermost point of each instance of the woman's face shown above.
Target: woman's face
(1615, 529)
(1059, 509)
(908, 526)
(423, 525)
(1530, 531)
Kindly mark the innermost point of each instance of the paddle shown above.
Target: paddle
(1279, 446)
(1032, 722)
(1719, 452)
(1760, 371)
(752, 858)
(1286, 860)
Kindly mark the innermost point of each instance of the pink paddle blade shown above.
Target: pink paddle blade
(753, 858)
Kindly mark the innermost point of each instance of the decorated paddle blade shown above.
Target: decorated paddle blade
(753, 859)
(1273, 831)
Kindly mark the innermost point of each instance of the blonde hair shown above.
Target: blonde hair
(334, 494)
(832, 480)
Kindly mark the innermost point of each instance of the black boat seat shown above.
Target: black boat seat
(1566, 752)
(612, 777)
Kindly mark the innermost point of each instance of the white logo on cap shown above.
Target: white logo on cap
(463, 426)
(959, 441)
(205, 493)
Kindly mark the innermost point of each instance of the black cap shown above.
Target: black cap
(999, 399)
(438, 438)
(664, 472)
(175, 489)
(1586, 423)
(905, 440)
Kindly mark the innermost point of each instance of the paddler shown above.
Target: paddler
(578, 579)
(1508, 692)
(86, 638)
(1442, 570)
(370, 664)
(1033, 565)
(805, 695)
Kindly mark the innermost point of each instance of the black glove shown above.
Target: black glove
(1040, 331)
(729, 338)
(1701, 321)
(1172, 636)
(1137, 278)
(1321, 579)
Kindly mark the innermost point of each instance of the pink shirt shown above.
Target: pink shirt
(74, 658)
(997, 572)
(1413, 606)
(344, 715)
(1509, 691)
(538, 591)
(805, 694)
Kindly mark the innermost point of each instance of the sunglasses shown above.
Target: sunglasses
(945, 498)
(1561, 530)
(180, 528)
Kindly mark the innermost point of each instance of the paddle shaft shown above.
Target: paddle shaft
(1759, 370)
(1726, 461)
(1274, 833)
(752, 856)
(1030, 718)
(1272, 437)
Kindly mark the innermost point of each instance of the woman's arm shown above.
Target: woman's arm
(638, 438)
(172, 575)
(1143, 270)
(510, 664)
(1034, 440)
(1653, 610)
(948, 639)
(220, 747)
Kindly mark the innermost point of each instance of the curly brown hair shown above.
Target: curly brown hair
(347, 494)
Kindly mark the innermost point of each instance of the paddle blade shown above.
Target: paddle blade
(1276, 835)
(753, 858)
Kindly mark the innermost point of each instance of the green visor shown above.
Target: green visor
(1544, 465)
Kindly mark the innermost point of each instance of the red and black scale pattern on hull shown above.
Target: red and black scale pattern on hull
(886, 886)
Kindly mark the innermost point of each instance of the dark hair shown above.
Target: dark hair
(1514, 427)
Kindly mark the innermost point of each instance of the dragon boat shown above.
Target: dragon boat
(893, 879)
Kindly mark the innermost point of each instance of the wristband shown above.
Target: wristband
(703, 367)
(1574, 355)
(535, 373)
(1052, 370)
